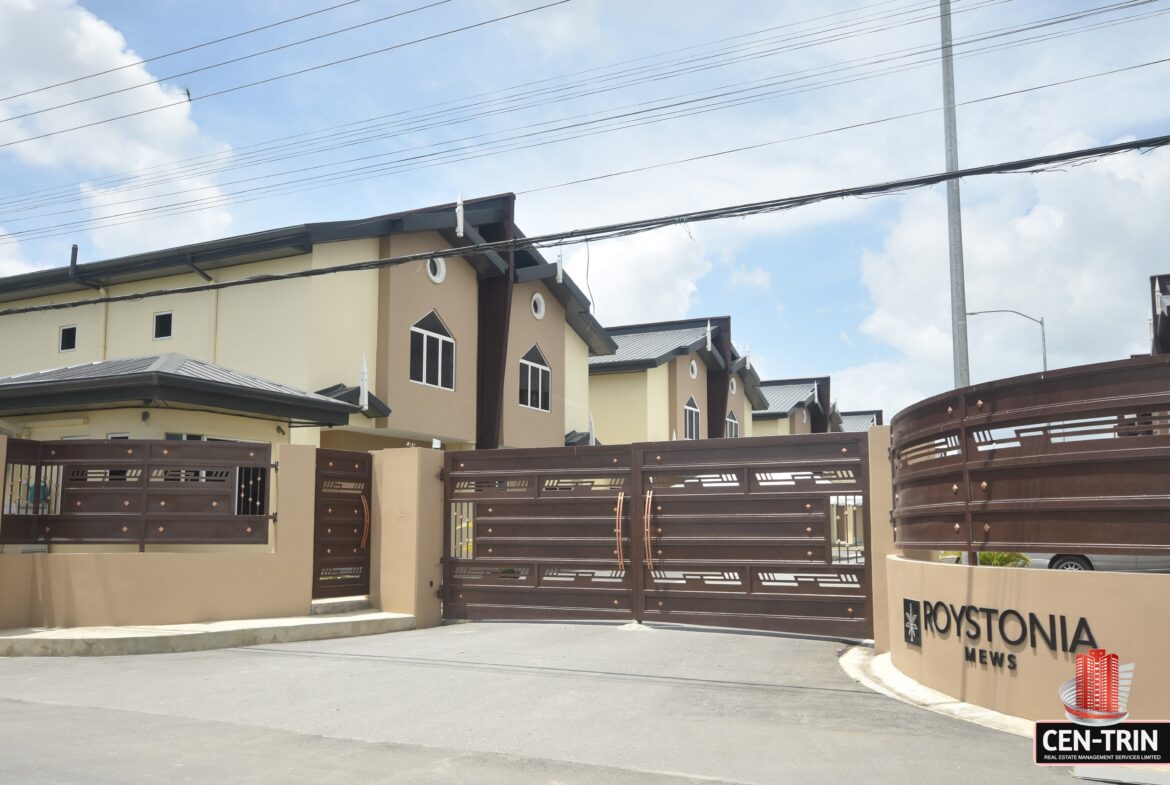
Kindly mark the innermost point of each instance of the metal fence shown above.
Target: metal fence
(1073, 460)
(129, 491)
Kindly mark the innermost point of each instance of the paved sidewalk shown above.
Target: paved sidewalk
(169, 638)
(488, 703)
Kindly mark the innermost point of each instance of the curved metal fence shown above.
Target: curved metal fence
(1076, 459)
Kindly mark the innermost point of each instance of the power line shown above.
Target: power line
(191, 48)
(325, 180)
(411, 162)
(168, 171)
(231, 61)
(278, 77)
(1034, 165)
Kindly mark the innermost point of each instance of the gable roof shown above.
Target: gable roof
(785, 395)
(483, 218)
(642, 346)
(173, 378)
(860, 420)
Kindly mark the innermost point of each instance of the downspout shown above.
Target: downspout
(102, 334)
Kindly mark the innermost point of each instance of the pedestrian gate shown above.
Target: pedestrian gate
(765, 533)
(341, 552)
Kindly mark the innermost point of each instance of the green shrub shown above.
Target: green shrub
(989, 558)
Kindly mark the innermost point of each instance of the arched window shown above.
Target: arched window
(691, 424)
(731, 427)
(432, 353)
(535, 380)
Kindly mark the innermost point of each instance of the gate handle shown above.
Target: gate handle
(366, 513)
(646, 522)
(617, 530)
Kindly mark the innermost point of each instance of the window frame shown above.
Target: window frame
(170, 326)
(430, 334)
(541, 371)
(61, 335)
(730, 422)
(691, 411)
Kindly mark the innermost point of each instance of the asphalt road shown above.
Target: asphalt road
(486, 703)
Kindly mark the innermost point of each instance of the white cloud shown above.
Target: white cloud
(47, 41)
(1076, 248)
(12, 261)
(754, 278)
(643, 278)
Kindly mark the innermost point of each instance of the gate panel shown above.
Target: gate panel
(341, 552)
(763, 533)
(539, 534)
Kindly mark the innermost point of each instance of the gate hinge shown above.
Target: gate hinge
(276, 466)
(442, 474)
(275, 517)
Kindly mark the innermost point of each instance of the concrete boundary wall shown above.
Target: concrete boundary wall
(1125, 613)
(100, 589)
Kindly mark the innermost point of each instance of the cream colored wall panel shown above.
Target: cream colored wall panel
(685, 387)
(99, 424)
(344, 312)
(29, 341)
(576, 382)
(619, 407)
(658, 409)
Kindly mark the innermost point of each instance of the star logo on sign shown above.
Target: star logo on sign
(911, 624)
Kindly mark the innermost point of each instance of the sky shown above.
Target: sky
(466, 101)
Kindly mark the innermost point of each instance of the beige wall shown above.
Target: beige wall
(879, 500)
(99, 589)
(408, 295)
(576, 382)
(343, 312)
(738, 402)
(683, 387)
(525, 427)
(99, 424)
(619, 406)
(406, 547)
(657, 404)
(1125, 611)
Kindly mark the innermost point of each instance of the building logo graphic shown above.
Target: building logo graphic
(1098, 695)
(912, 622)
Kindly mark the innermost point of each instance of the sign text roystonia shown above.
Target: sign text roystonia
(980, 629)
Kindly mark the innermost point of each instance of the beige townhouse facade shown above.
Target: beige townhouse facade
(488, 349)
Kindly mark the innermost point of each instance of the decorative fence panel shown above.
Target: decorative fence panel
(1072, 460)
(130, 491)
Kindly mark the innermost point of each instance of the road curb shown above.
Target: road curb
(877, 672)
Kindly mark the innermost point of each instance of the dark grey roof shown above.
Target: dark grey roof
(860, 420)
(172, 378)
(650, 348)
(784, 395)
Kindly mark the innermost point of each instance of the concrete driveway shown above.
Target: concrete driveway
(486, 703)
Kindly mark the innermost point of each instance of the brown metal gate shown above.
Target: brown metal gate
(762, 533)
(341, 552)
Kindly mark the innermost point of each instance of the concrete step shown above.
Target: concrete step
(333, 605)
(160, 639)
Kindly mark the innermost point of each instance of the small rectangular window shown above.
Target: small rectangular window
(163, 322)
(416, 356)
(68, 339)
(525, 384)
(545, 384)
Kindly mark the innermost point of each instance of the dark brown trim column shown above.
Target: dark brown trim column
(495, 310)
(719, 379)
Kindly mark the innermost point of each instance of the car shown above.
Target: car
(1107, 562)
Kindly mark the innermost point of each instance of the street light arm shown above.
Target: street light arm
(1007, 310)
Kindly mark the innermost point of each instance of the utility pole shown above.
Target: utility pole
(954, 220)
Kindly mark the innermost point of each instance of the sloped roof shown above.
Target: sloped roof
(860, 421)
(166, 377)
(649, 348)
(783, 396)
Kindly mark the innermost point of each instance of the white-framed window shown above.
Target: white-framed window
(734, 386)
(535, 381)
(67, 338)
(437, 269)
(164, 325)
(432, 353)
(538, 306)
(731, 426)
(694, 370)
(691, 421)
